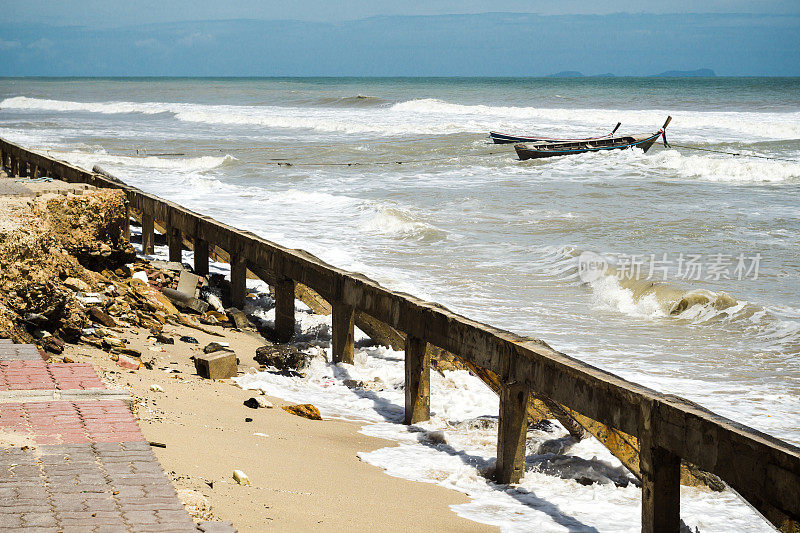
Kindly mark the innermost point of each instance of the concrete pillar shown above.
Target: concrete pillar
(175, 242)
(12, 166)
(238, 280)
(511, 434)
(126, 224)
(661, 494)
(418, 381)
(284, 310)
(148, 234)
(342, 345)
(200, 257)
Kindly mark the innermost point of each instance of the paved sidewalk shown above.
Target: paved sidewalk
(76, 461)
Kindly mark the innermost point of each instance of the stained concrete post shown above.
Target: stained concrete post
(511, 434)
(12, 166)
(23, 169)
(418, 381)
(284, 310)
(148, 234)
(200, 257)
(343, 324)
(238, 280)
(126, 224)
(175, 242)
(661, 495)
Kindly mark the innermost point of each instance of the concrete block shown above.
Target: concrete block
(238, 318)
(217, 365)
(187, 283)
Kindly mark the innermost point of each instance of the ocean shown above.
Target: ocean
(699, 281)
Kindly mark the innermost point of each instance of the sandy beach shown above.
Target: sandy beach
(305, 475)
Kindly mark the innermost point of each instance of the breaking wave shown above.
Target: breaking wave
(401, 223)
(644, 298)
(727, 168)
(359, 114)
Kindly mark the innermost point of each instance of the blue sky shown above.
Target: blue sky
(382, 38)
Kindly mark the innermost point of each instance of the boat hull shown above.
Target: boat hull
(502, 138)
(541, 150)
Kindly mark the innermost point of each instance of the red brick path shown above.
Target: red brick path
(77, 464)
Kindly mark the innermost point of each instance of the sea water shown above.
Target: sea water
(698, 285)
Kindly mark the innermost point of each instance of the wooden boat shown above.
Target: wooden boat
(503, 138)
(550, 149)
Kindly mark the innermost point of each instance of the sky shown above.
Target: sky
(382, 38)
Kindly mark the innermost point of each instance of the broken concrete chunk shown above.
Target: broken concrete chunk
(98, 315)
(241, 478)
(264, 403)
(282, 357)
(185, 301)
(189, 340)
(76, 285)
(212, 347)
(353, 383)
(214, 301)
(238, 318)
(219, 365)
(187, 283)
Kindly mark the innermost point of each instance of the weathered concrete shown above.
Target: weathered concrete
(175, 242)
(660, 474)
(148, 234)
(284, 310)
(342, 341)
(764, 470)
(511, 434)
(201, 257)
(238, 280)
(418, 381)
(217, 365)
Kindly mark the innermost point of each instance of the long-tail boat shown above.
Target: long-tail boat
(504, 138)
(551, 149)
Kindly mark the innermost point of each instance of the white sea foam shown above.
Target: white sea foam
(457, 451)
(431, 116)
(726, 168)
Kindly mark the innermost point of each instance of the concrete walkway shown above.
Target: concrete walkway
(72, 457)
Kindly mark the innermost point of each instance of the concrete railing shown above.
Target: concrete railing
(764, 470)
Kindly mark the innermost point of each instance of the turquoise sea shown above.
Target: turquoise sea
(396, 178)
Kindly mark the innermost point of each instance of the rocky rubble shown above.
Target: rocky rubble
(69, 275)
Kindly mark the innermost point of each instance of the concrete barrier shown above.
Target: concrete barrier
(764, 470)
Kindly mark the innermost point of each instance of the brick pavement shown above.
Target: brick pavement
(78, 465)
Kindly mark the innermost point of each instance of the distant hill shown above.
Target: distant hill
(566, 74)
(606, 75)
(699, 73)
